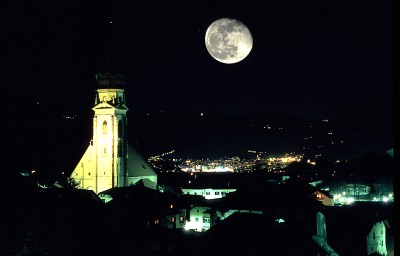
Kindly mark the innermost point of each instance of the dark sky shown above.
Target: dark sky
(308, 57)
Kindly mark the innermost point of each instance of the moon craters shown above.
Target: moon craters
(228, 40)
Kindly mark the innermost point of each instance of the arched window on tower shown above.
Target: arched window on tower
(120, 131)
(105, 128)
(120, 148)
(125, 127)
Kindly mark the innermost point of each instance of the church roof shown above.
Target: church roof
(137, 165)
(108, 80)
(146, 183)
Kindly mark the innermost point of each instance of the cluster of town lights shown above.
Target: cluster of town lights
(347, 200)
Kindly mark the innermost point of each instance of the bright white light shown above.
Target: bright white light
(338, 196)
(385, 199)
(350, 200)
(186, 227)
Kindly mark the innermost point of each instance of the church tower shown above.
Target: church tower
(110, 132)
(104, 164)
(109, 161)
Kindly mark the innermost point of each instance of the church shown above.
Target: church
(109, 161)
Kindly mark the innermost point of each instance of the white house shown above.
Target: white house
(208, 193)
(202, 218)
(376, 239)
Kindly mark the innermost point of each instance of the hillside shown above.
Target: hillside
(54, 136)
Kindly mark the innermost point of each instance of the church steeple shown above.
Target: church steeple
(110, 61)
(109, 39)
(109, 80)
(105, 163)
(110, 125)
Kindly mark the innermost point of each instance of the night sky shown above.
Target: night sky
(308, 58)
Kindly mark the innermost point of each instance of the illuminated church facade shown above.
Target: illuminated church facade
(109, 161)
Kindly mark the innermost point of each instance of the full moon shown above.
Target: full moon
(228, 40)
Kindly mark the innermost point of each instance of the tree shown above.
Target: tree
(69, 182)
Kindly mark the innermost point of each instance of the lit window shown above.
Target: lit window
(173, 219)
(105, 129)
(181, 219)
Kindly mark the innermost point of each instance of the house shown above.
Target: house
(145, 206)
(202, 218)
(208, 193)
(305, 187)
(210, 185)
(362, 228)
(376, 239)
(323, 197)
